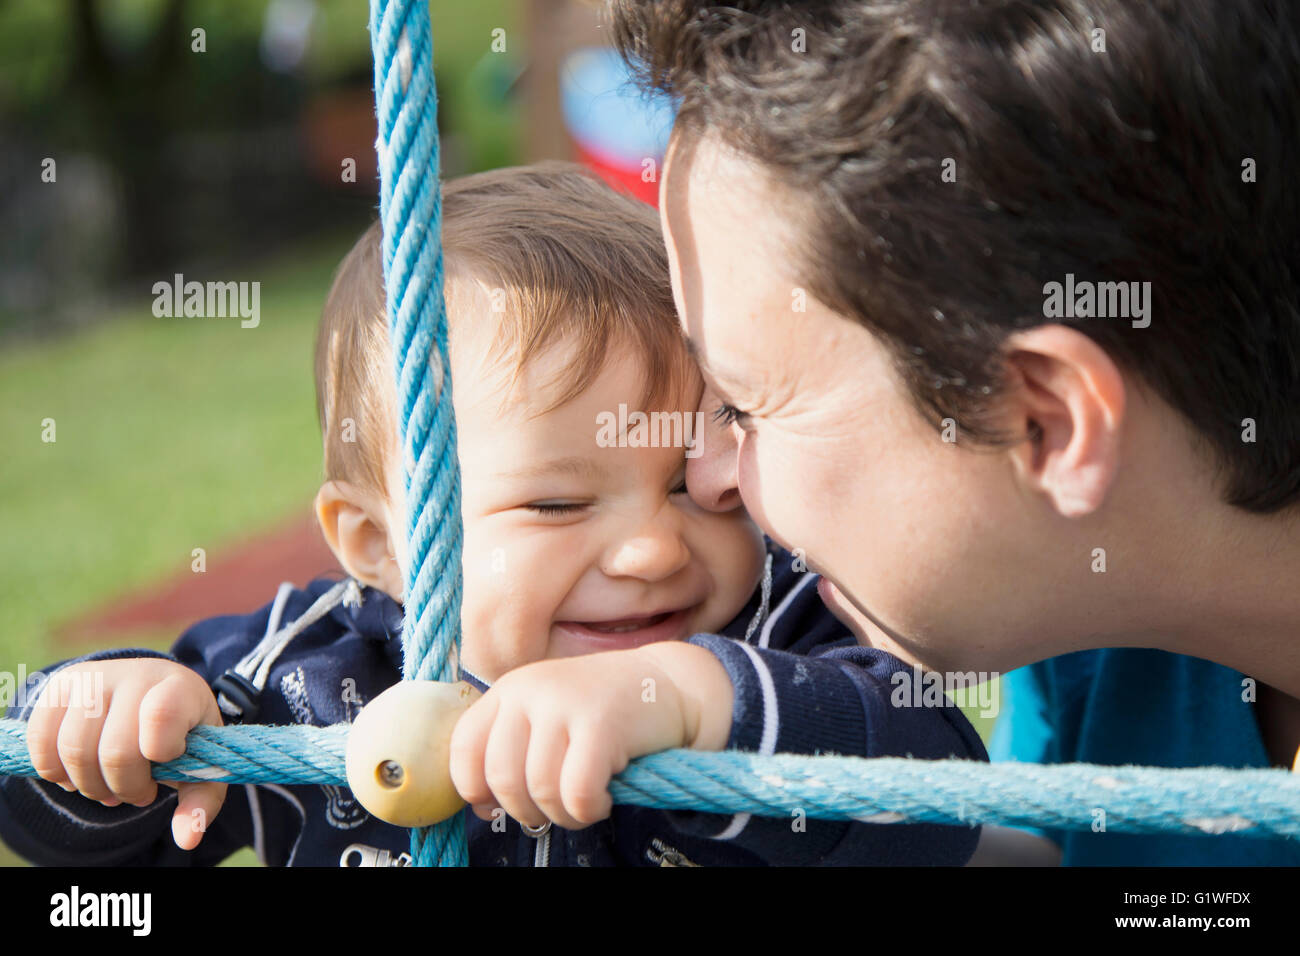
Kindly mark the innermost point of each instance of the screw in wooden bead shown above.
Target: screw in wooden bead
(399, 752)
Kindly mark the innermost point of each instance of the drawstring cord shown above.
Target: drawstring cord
(761, 614)
(240, 688)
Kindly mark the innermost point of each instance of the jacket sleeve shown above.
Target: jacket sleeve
(837, 702)
(49, 826)
(803, 685)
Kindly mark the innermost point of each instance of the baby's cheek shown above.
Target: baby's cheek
(735, 554)
(503, 626)
(483, 602)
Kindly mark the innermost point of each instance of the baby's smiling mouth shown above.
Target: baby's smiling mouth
(626, 624)
(633, 630)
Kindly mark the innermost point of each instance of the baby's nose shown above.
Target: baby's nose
(655, 552)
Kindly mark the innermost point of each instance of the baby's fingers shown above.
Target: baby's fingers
(170, 710)
(43, 724)
(126, 770)
(79, 751)
(584, 781)
(468, 743)
(503, 762)
(546, 748)
(197, 806)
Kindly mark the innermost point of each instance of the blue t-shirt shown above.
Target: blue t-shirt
(1137, 706)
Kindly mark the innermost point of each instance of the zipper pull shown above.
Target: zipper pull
(372, 856)
(661, 853)
(542, 834)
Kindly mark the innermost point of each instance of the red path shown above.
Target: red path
(238, 579)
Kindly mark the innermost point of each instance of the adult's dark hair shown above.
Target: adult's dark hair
(1128, 164)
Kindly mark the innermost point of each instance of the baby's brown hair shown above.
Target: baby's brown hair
(564, 259)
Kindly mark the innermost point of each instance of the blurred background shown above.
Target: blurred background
(225, 140)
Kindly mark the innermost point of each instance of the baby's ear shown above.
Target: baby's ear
(354, 523)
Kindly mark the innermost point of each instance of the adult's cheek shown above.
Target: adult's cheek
(785, 516)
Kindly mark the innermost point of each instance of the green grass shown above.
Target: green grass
(171, 434)
(972, 710)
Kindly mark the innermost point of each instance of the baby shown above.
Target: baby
(605, 614)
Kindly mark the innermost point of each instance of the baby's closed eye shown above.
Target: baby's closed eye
(557, 508)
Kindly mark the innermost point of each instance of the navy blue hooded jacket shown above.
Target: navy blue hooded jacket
(802, 685)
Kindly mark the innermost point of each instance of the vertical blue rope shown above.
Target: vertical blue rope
(411, 208)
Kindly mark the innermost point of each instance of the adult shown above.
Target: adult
(881, 218)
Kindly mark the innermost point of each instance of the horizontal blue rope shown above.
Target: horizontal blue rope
(1263, 803)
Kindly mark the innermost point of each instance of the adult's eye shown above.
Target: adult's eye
(729, 414)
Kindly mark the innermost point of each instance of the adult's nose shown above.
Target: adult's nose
(711, 475)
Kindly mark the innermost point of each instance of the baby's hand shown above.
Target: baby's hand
(545, 740)
(97, 735)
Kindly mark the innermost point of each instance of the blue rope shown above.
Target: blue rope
(1198, 800)
(410, 208)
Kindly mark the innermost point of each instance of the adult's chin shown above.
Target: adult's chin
(844, 612)
(865, 628)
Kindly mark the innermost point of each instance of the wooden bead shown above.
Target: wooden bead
(399, 752)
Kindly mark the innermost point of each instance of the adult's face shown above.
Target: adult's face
(829, 454)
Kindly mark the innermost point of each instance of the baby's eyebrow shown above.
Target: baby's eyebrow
(575, 465)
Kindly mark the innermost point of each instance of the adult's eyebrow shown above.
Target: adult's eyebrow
(575, 465)
(716, 376)
(694, 351)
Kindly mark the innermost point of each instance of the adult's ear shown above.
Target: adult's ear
(1067, 394)
(355, 523)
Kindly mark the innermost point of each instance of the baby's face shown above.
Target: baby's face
(570, 547)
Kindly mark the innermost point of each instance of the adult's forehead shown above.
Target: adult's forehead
(726, 230)
(696, 166)
(709, 184)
